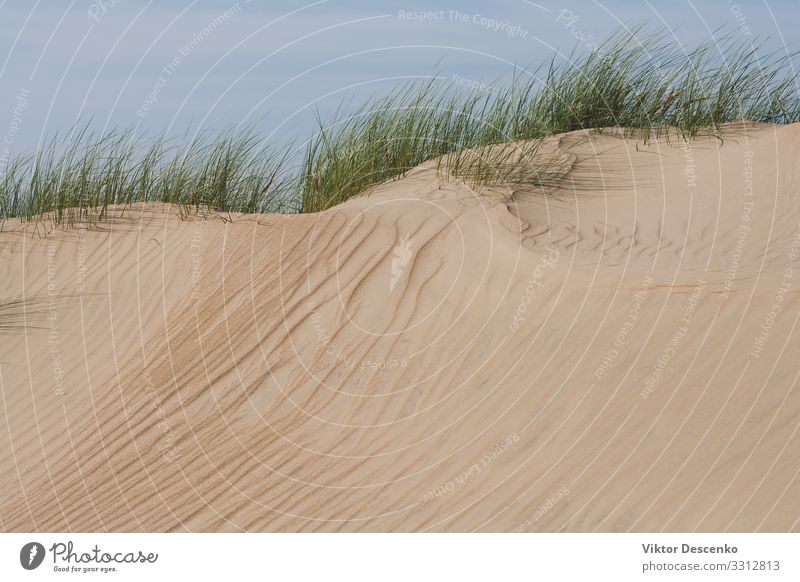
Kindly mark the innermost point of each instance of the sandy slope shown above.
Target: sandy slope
(616, 354)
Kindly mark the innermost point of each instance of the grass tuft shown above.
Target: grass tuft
(75, 178)
(636, 80)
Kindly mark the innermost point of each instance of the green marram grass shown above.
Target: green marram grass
(638, 80)
(77, 177)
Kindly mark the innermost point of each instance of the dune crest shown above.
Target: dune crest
(612, 353)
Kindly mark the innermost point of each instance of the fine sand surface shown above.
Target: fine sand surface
(619, 353)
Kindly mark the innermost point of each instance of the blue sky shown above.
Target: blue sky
(173, 65)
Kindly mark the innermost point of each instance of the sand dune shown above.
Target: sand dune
(617, 353)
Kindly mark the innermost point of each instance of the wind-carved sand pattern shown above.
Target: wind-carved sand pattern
(357, 370)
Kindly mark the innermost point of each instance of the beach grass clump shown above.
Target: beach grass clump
(393, 134)
(386, 138)
(645, 81)
(639, 80)
(77, 177)
(636, 80)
